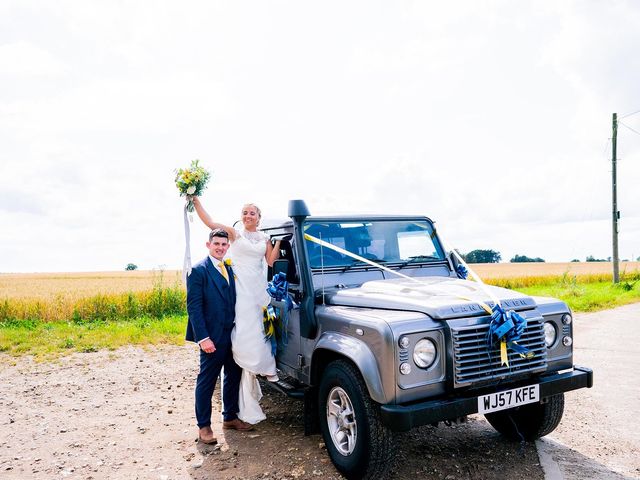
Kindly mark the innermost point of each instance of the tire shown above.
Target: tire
(529, 422)
(358, 443)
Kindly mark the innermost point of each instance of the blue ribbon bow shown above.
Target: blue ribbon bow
(278, 289)
(508, 326)
(462, 271)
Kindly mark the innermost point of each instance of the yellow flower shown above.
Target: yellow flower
(228, 262)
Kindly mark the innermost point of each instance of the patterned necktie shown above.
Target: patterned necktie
(223, 271)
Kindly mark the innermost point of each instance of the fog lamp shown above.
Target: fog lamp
(405, 368)
(567, 341)
(404, 342)
(566, 319)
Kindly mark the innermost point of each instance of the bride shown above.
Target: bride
(250, 251)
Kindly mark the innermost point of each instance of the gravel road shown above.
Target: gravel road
(600, 431)
(129, 414)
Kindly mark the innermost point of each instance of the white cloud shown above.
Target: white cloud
(490, 117)
(24, 59)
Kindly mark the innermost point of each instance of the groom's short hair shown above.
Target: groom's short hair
(218, 232)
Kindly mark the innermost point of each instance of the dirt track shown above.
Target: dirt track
(129, 414)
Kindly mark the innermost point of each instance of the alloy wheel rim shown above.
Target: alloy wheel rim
(341, 421)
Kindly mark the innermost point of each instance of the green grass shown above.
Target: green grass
(159, 316)
(589, 297)
(586, 293)
(45, 340)
(103, 321)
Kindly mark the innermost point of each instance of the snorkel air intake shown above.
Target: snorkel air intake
(298, 212)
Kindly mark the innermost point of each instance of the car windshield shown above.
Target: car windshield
(381, 241)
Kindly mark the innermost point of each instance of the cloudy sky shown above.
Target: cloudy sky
(491, 117)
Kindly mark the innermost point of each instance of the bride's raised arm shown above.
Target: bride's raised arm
(272, 253)
(208, 221)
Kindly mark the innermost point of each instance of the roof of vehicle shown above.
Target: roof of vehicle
(275, 224)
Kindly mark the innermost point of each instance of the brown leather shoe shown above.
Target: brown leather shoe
(205, 435)
(237, 424)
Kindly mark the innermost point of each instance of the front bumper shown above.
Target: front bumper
(401, 418)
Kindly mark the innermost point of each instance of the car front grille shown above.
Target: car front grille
(475, 361)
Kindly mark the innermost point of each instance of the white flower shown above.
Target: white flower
(191, 190)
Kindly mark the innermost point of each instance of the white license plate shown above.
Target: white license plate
(495, 402)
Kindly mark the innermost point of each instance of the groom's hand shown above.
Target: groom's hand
(207, 346)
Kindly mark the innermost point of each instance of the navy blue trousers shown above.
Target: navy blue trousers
(210, 366)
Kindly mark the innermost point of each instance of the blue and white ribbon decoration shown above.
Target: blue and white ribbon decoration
(278, 289)
(507, 327)
(462, 272)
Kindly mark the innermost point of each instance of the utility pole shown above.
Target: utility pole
(616, 213)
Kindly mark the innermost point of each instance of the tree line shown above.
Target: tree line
(491, 256)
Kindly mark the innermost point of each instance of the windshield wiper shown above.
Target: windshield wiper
(423, 258)
(418, 259)
(358, 263)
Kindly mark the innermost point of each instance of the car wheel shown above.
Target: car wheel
(529, 422)
(358, 443)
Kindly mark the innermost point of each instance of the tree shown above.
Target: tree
(131, 266)
(523, 258)
(482, 256)
(591, 258)
(575, 260)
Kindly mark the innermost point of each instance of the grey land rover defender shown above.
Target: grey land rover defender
(381, 335)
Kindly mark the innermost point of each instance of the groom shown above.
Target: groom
(211, 299)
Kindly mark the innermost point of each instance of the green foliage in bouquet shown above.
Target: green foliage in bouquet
(192, 181)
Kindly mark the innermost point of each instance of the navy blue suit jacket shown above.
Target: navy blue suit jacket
(211, 303)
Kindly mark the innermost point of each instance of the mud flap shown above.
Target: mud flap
(311, 419)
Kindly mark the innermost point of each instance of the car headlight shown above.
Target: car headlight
(550, 334)
(424, 353)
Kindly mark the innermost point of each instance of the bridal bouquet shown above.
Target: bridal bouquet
(192, 181)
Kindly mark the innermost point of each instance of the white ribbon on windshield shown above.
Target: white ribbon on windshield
(357, 257)
(475, 276)
(387, 269)
(186, 266)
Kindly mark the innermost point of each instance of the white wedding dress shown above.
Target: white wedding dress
(250, 350)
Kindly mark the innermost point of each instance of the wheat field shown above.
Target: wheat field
(91, 296)
(518, 270)
(48, 286)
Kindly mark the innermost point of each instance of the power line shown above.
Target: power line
(628, 115)
(624, 124)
